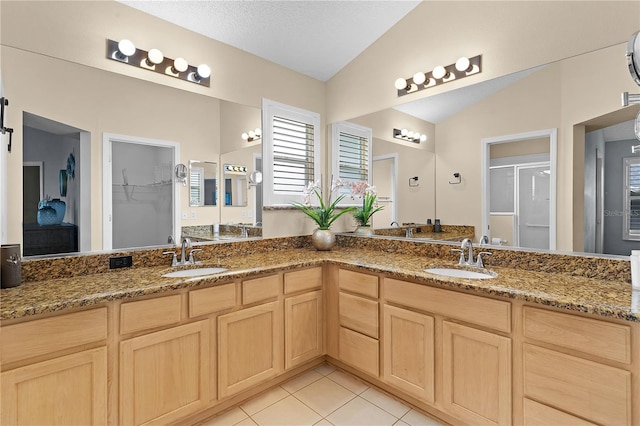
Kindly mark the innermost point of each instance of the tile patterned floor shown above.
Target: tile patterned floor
(322, 396)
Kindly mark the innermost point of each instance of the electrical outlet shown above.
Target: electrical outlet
(185, 215)
(243, 213)
(249, 213)
(193, 214)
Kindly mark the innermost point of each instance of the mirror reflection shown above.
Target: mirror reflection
(203, 183)
(235, 185)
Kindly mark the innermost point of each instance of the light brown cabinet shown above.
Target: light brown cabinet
(69, 390)
(476, 375)
(249, 347)
(164, 375)
(409, 352)
(304, 325)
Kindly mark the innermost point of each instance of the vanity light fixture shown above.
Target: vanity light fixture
(252, 135)
(463, 67)
(126, 52)
(235, 169)
(409, 136)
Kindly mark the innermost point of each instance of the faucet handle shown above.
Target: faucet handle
(191, 258)
(462, 260)
(174, 261)
(479, 263)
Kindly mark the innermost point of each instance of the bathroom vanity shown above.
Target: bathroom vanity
(133, 347)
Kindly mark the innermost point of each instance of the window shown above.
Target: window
(351, 154)
(196, 184)
(631, 222)
(291, 151)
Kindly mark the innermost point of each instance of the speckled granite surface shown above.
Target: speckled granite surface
(593, 285)
(424, 231)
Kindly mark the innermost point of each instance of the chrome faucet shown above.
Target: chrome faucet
(396, 223)
(468, 261)
(186, 243)
(409, 232)
(243, 231)
(484, 240)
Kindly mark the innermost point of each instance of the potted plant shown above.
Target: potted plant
(324, 214)
(363, 214)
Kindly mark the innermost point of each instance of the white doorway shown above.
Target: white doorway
(529, 202)
(385, 179)
(141, 199)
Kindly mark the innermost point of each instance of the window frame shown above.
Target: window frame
(271, 109)
(358, 131)
(627, 233)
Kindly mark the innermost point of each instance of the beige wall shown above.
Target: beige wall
(515, 149)
(510, 35)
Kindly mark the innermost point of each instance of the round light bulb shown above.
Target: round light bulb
(245, 137)
(419, 78)
(204, 71)
(252, 134)
(423, 138)
(416, 136)
(180, 65)
(401, 83)
(410, 135)
(463, 64)
(154, 57)
(404, 132)
(258, 131)
(439, 72)
(126, 47)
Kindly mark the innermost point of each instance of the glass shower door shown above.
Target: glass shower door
(533, 206)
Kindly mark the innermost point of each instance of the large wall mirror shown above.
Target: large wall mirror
(590, 129)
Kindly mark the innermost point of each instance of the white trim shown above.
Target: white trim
(269, 109)
(394, 182)
(257, 156)
(107, 179)
(552, 134)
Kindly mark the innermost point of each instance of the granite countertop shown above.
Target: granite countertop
(607, 298)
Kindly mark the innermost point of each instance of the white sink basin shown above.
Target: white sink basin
(462, 273)
(197, 272)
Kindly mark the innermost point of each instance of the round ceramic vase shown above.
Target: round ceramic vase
(364, 230)
(323, 239)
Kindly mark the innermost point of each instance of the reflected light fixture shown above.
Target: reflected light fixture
(252, 135)
(126, 52)
(463, 67)
(409, 136)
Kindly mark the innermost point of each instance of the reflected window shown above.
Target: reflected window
(632, 198)
(351, 145)
(203, 184)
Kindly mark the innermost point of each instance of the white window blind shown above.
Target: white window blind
(291, 151)
(351, 153)
(196, 186)
(631, 221)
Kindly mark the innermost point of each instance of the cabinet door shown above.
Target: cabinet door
(303, 323)
(476, 375)
(249, 347)
(70, 390)
(164, 375)
(409, 352)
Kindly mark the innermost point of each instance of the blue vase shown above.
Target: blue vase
(58, 206)
(47, 216)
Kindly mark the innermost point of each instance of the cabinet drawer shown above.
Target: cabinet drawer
(591, 336)
(359, 283)
(150, 313)
(472, 309)
(43, 336)
(593, 391)
(536, 414)
(307, 279)
(360, 351)
(359, 314)
(259, 289)
(213, 299)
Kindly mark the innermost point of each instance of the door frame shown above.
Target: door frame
(107, 179)
(486, 143)
(394, 181)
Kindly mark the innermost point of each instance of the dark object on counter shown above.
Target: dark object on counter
(120, 262)
(428, 221)
(10, 264)
(437, 227)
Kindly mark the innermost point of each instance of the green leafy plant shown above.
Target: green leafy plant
(327, 212)
(363, 214)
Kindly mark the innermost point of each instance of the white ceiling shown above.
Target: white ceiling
(314, 37)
